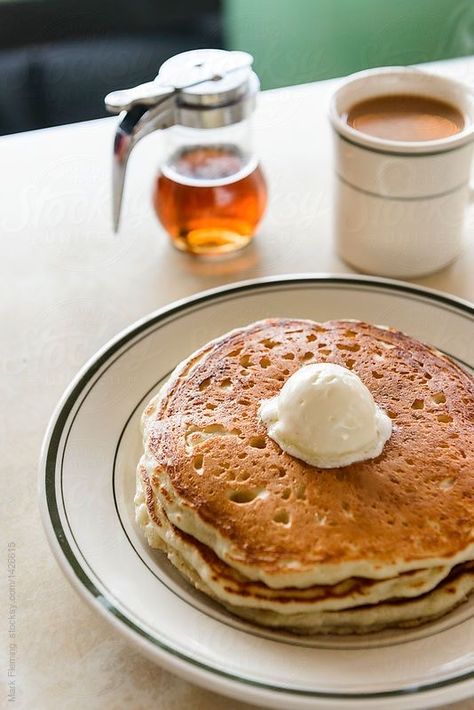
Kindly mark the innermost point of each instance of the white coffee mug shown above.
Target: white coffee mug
(400, 205)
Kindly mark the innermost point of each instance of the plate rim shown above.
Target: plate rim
(172, 659)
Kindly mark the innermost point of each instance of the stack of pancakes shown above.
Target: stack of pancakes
(379, 543)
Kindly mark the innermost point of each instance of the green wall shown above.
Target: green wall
(295, 41)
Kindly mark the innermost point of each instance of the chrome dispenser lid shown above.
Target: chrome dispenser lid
(203, 88)
(201, 78)
(208, 77)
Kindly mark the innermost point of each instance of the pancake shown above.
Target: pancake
(287, 544)
(396, 613)
(228, 585)
(223, 480)
(314, 611)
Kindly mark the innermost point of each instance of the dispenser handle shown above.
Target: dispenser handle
(135, 123)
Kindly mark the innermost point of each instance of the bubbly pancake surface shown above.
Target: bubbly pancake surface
(221, 479)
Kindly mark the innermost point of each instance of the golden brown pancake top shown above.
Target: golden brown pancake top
(415, 501)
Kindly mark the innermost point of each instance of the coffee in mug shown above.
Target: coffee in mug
(405, 117)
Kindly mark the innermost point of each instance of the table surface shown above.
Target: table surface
(68, 285)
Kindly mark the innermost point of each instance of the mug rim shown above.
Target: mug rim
(384, 145)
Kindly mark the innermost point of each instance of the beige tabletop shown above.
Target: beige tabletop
(68, 285)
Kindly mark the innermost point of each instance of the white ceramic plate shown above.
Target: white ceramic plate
(87, 484)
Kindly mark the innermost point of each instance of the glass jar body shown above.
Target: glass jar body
(210, 193)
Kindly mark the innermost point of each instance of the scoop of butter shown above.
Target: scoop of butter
(326, 416)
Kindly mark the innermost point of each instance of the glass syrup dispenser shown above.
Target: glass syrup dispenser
(210, 192)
